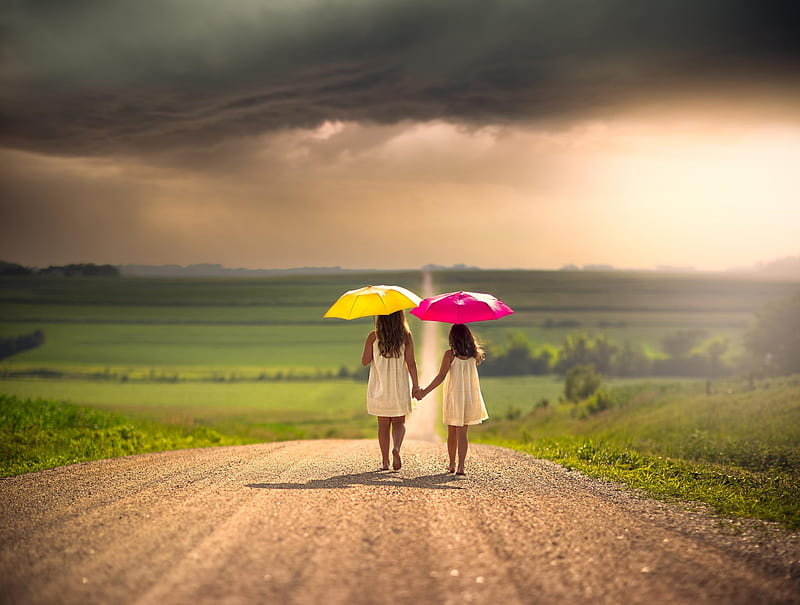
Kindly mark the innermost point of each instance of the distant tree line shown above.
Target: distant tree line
(684, 355)
(18, 344)
(772, 344)
(774, 337)
(87, 269)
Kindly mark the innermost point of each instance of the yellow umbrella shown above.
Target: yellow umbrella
(372, 300)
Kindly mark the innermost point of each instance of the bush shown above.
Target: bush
(774, 338)
(518, 358)
(600, 401)
(581, 382)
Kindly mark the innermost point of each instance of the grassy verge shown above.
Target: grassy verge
(39, 434)
(737, 450)
(255, 411)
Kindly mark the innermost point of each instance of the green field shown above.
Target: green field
(255, 411)
(164, 363)
(197, 327)
(213, 327)
(253, 352)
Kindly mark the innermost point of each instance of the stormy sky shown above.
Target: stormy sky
(391, 134)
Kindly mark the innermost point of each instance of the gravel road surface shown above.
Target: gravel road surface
(314, 522)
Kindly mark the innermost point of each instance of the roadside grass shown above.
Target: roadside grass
(737, 450)
(39, 434)
(254, 411)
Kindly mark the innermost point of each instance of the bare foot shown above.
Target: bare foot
(397, 463)
(461, 472)
(385, 467)
(451, 468)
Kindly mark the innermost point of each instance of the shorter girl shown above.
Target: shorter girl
(462, 403)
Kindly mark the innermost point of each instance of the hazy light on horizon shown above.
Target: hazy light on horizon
(627, 193)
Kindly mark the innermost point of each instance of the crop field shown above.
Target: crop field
(189, 327)
(250, 355)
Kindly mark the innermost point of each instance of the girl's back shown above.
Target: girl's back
(462, 402)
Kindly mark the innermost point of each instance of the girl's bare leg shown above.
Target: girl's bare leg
(452, 443)
(398, 434)
(462, 448)
(384, 428)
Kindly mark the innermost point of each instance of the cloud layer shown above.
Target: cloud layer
(101, 76)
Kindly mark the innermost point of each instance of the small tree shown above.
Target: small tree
(581, 382)
(714, 350)
(774, 338)
(681, 342)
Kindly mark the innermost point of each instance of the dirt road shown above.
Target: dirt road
(311, 522)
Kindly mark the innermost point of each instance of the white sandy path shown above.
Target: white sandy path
(422, 423)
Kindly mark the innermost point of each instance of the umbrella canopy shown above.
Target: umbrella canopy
(461, 307)
(372, 300)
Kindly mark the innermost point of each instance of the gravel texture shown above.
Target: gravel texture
(314, 521)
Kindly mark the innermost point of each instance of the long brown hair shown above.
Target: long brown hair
(463, 343)
(391, 331)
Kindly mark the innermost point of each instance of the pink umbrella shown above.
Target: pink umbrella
(461, 307)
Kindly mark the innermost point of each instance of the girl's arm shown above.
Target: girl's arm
(411, 363)
(447, 361)
(366, 355)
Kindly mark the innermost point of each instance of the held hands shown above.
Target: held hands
(418, 393)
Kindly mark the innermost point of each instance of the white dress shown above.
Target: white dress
(389, 385)
(462, 402)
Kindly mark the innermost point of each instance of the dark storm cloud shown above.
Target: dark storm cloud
(94, 76)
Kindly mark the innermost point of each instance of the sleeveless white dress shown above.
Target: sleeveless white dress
(462, 402)
(389, 385)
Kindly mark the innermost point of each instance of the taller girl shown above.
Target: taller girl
(392, 380)
(462, 402)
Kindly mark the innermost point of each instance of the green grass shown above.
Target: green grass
(253, 411)
(737, 449)
(40, 434)
(511, 397)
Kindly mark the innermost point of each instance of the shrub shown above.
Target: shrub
(581, 382)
